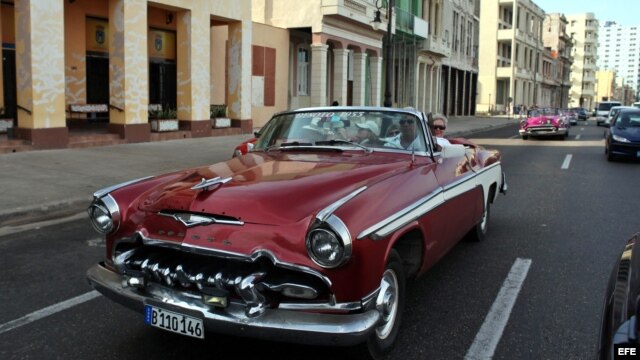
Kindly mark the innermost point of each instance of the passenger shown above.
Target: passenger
(408, 138)
(438, 126)
(393, 130)
(368, 134)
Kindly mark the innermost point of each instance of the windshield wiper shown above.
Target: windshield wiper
(340, 141)
(284, 144)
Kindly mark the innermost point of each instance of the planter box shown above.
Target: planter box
(164, 125)
(219, 123)
(5, 124)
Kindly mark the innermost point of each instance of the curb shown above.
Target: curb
(48, 211)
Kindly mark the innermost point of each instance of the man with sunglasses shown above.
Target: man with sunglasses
(407, 139)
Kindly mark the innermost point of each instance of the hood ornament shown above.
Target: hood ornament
(190, 220)
(206, 185)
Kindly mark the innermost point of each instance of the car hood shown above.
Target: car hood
(269, 190)
(631, 133)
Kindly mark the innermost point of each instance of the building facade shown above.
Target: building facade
(619, 51)
(511, 49)
(124, 55)
(556, 39)
(605, 85)
(583, 29)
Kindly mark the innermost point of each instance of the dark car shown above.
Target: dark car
(581, 113)
(619, 327)
(623, 135)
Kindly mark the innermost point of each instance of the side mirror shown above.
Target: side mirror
(452, 151)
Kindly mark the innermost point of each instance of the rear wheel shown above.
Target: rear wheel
(525, 137)
(390, 303)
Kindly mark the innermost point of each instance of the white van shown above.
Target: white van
(602, 111)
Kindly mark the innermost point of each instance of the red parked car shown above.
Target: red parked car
(308, 238)
(544, 123)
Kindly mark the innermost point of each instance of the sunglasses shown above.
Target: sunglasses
(402, 122)
(438, 127)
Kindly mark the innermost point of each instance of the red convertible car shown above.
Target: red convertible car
(544, 122)
(308, 238)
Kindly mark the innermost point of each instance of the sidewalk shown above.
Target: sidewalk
(47, 184)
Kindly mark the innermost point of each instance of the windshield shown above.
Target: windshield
(357, 129)
(606, 106)
(628, 119)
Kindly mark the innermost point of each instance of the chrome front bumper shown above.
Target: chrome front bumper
(274, 324)
(543, 131)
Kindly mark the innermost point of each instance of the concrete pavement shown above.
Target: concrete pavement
(48, 184)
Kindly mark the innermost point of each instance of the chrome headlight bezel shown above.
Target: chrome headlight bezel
(104, 214)
(334, 228)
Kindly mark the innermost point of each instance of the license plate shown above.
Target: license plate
(174, 322)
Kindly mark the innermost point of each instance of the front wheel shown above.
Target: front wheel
(390, 303)
(479, 232)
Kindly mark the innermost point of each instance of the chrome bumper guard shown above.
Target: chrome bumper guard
(274, 324)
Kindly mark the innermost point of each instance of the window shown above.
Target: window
(303, 72)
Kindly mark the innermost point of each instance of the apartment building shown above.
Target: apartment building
(510, 57)
(619, 51)
(583, 29)
(556, 39)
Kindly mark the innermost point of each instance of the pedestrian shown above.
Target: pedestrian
(335, 103)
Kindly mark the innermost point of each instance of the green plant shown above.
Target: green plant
(164, 113)
(216, 111)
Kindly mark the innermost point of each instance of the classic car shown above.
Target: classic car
(308, 238)
(570, 115)
(544, 122)
(622, 138)
(582, 113)
(620, 324)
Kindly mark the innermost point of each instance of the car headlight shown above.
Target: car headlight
(620, 139)
(104, 214)
(329, 243)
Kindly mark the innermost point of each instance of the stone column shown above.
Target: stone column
(319, 74)
(340, 62)
(129, 75)
(39, 28)
(239, 75)
(193, 70)
(376, 79)
(359, 78)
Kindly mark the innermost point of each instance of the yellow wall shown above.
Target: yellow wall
(268, 36)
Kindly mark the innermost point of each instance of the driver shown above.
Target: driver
(408, 138)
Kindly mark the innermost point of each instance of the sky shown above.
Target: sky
(624, 12)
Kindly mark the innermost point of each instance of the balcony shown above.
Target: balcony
(361, 11)
(436, 45)
(503, 72)
(505, 35)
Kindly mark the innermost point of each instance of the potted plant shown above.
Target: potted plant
(163, 118)
(218, 116)
(6, 124)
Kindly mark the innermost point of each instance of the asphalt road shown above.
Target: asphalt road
(570, 218)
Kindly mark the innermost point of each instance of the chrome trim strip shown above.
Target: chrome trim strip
(368, 299)
(339, 307)
(233, 255)
(405, 214)
(102, 192)
(418, 208)
(324, 213)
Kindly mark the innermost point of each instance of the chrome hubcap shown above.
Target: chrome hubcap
(387, 303)
(483, 223)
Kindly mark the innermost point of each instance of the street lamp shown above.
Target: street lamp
(377, 25)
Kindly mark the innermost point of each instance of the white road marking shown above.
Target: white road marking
(486, 341)
(567, 161)
(578, 136)
(50, 310)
